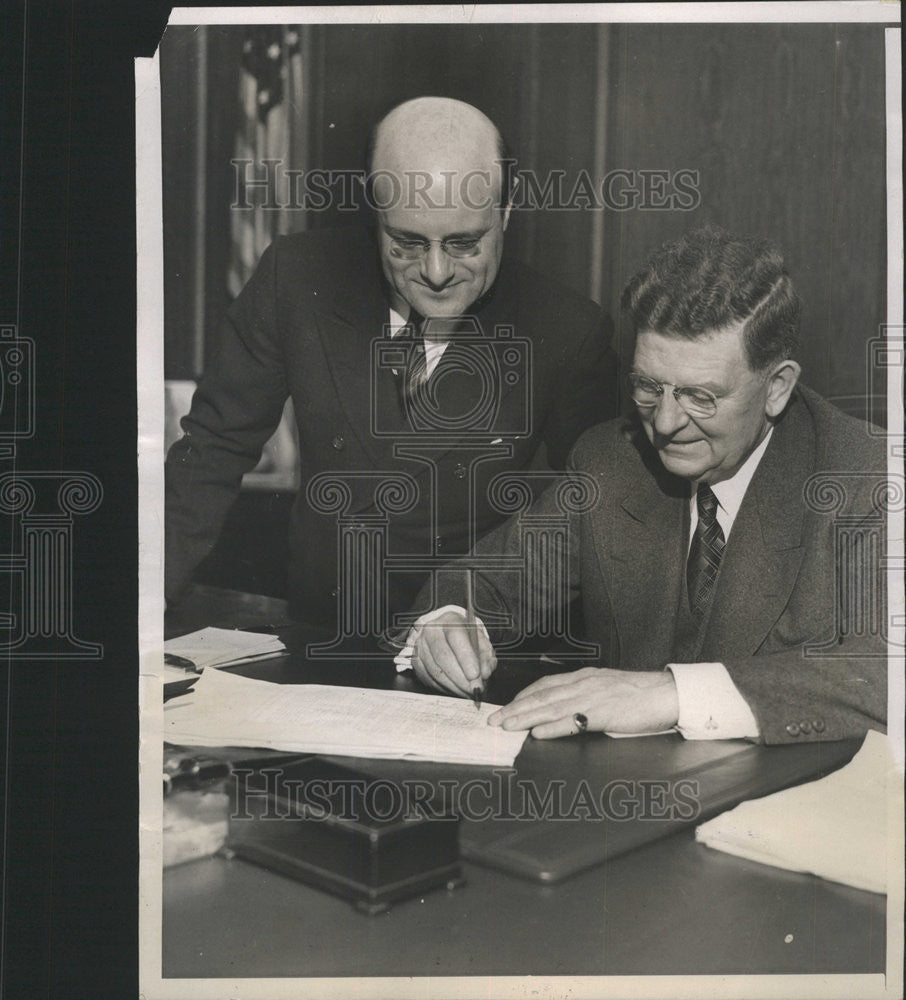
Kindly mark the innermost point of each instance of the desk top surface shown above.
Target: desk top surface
(670, 906)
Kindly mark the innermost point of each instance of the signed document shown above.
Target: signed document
(226, 710)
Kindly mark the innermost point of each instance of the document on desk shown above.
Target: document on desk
(228, 710)
(221, 647)
(834, 827)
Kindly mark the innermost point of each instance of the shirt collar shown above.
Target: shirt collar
(731, 491)
(434, 343)
(396, 322)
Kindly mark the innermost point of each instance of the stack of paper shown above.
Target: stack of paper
(835, 827)
(222, 647)
(226, 710)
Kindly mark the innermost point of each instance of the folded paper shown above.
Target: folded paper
(834, 827)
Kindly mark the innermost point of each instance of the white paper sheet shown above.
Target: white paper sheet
(220, 647)
(227, 710)
(834, 827)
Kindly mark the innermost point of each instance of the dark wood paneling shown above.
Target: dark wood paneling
(558, 134)
(785, 125)
(857, 301)
(224, 45)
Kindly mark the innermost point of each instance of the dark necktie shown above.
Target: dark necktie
(704, 553)
(415, 375)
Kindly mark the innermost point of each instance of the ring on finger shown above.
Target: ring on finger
(580, 721)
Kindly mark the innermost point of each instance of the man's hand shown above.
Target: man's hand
(443, 656)
(618, 701)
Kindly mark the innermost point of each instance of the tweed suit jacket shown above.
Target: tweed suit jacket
(798, 613)
(303, 327)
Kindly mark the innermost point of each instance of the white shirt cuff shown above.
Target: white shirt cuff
(710, 705)
(403, 658)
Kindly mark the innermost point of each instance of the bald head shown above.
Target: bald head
(437, 143)
(437, 185)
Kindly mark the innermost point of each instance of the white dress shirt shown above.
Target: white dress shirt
(433, 348)
(710, 705)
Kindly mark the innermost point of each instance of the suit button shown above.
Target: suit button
(439, 542)
(818, 725)
(805, 727)
(793, 729)
(339, 443)
(334, 592)
(460, 471)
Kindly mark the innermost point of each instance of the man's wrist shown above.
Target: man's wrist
(403, 658)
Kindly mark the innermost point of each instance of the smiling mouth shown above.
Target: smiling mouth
(438, 291)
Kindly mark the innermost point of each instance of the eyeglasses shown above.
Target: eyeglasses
(695, 400)
(456, 246)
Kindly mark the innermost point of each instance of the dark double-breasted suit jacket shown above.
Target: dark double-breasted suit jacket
(798, 615)
(305, 327)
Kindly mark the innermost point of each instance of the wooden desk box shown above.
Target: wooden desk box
(350, 834)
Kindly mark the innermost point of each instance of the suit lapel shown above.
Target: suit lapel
(645, 559)
(357, 315)
(764, 551)
(474, 364)
(350, 322)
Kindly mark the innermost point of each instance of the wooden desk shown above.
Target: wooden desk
(673, 906)
(669, 907)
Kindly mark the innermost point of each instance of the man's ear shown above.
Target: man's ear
(509, 203)
(781, 383)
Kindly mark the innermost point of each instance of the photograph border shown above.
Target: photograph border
(150, 376)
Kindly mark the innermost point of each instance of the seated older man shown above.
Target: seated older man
(713, 573)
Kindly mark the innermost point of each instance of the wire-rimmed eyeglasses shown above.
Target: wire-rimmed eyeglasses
(696, 401)
(410, 248)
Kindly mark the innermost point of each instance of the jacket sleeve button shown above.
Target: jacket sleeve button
(793, 729)
(339, 443)
(818, 725)
(805, 727)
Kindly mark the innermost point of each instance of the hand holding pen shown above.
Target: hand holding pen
(453, 652)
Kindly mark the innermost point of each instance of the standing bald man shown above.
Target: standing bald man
(431, 276)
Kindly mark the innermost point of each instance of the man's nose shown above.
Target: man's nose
(437, 267)
(669, 416)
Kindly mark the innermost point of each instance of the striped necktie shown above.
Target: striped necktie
(704, 554)
(415, 374)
